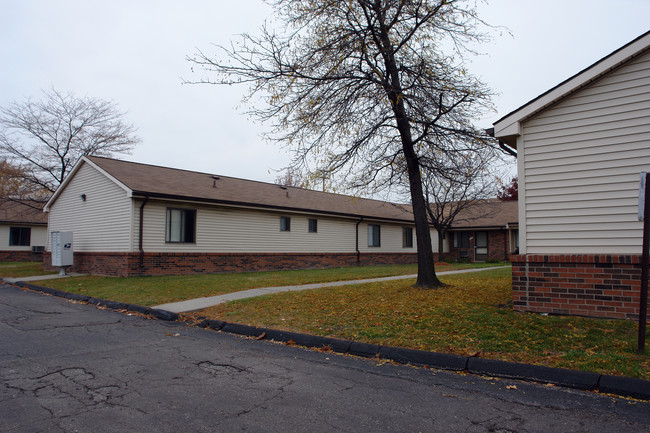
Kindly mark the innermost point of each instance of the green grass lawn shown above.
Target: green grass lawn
(472, 316)
(150, 291)
(22, 269)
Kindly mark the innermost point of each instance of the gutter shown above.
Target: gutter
(357, 241)
(140, 234)
(503, 146)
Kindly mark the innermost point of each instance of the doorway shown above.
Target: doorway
(480, 246)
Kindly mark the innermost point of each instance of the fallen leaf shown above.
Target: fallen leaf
(511, 387)
(261, 336)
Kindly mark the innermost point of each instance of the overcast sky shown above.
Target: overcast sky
(133, 52)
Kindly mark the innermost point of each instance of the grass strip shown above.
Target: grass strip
(472, 316)
(22, 269)
(158, 290)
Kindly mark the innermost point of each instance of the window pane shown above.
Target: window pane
(181, 225)
(285, 224)
(461, 239)
(374, 238)
(189, 221)
(175, 225)
(407, 237)
(19, 236)
(313, 225)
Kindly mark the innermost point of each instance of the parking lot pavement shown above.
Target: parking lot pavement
(71, 367)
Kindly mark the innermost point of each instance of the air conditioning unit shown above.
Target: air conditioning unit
(463, 254)
(38, 249)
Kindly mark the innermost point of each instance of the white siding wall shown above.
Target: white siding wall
(99, 224)
(581, 164)
(38, 237)
(223, 229)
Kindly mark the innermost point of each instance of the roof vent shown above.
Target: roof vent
(214, 181)
(282, 186)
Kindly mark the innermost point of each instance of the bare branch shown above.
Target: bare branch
(48, 136)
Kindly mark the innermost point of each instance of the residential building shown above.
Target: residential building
(581, 147)
(23, 230)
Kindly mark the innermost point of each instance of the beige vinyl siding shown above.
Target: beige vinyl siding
(99, 224)
(581, 164)
(223, 229)
(38, 237)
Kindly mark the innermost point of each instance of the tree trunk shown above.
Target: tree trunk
(426, 267)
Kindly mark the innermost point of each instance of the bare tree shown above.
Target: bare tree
(363, 89)
(45, 138)
(457, 182)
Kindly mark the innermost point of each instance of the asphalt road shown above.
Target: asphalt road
(70, 367)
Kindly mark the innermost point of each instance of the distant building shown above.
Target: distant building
(23, 230)
(487, 230)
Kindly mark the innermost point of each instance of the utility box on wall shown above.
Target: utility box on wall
(61, 243)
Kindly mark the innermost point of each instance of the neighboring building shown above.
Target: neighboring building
(23, 230)
(581, 148)
(487, 230)
(137, 219)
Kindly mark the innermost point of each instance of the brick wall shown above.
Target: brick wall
(498, 242)
(128, 264)
(20, 256)
(582, 285)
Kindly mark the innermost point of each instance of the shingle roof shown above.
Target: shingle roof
(171, 183)
(487, 214)
(22, 212)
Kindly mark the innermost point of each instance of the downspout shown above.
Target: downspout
(357, 240)
(140, 234)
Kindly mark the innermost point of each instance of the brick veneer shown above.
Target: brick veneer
(20, 256)
(583, 285)
(128, 264)
(498, 245)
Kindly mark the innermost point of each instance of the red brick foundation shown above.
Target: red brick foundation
(129, 264)
(581, 285)
(20, 256)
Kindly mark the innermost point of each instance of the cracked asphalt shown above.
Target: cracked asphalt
(71, 367)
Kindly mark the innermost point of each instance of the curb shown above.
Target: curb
(618, 385)
(158, 314)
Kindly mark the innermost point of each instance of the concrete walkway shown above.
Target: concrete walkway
(210, 301)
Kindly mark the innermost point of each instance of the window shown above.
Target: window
(407, 237)
(514, 241)
(181, 225)
(461, 239)
(374, 236)
(19, 236)
(285, 224)
(313, 225)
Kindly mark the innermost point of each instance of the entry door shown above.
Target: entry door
(481, 246)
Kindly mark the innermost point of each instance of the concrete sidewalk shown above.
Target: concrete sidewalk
(210, 301)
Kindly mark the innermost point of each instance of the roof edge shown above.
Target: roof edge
(138, 194)
(509, 122)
